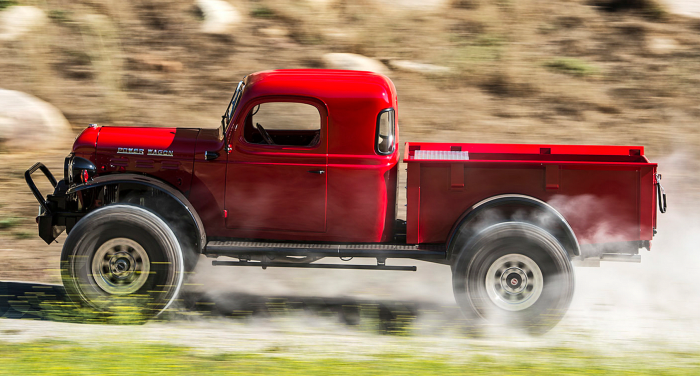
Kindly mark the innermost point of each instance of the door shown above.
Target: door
(276, 176)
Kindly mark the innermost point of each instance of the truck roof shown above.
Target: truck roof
(353, 99)
(321, 83)
(316, 73)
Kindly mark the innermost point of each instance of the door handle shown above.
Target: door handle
(320, 172)
(210, 155)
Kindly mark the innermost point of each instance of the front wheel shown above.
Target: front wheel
(514, 273)
(122, 258)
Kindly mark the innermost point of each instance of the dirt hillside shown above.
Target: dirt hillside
(534, 71)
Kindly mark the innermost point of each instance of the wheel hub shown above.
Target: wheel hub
(120, 266)
(514, 282)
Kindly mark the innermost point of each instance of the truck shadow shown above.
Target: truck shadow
(36, 301)
(29, 300)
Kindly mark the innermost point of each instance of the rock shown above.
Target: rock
(219, 16)
(353, 62)
(29, 124)
(690, 8)
(660, 46)
(18, 20)
(339, 36)
(422, 5)
(411, 66)
(274, 32)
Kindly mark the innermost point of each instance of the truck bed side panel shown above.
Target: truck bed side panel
(602, 201)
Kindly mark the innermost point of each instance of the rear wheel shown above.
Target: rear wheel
(122, 258)
(514, 273)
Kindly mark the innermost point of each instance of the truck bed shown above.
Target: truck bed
(606, 193)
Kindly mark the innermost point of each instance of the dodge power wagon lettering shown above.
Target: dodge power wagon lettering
(305, 165)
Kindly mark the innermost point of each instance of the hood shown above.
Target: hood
(165, 153)
(177, 143)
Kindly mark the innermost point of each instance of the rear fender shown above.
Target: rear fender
(149, 183)
(511, 207)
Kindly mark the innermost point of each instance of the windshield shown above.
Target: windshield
(226, 118)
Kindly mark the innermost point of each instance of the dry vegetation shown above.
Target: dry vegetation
(540, 71)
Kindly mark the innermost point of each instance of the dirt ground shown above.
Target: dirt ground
(526, 71)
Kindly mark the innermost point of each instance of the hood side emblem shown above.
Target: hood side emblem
(130, 151)
(160, 153)
(137, 151)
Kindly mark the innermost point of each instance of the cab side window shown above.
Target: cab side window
(284, 124)
(384, 143)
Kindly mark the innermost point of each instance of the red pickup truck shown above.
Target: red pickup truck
(305, 165)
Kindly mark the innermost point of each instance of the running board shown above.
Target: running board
(618, 257)
(266, 265)
(233, 248)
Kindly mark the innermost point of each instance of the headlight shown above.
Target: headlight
(67, 168)
(78, 170)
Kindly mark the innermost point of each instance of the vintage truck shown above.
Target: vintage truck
(305, 165)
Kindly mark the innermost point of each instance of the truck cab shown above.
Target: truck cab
(309, 157)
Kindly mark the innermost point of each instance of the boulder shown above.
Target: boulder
(274, 32)
(29, 124)
(689, 8)
(412, 66)
(339, 36)
(661, 45)
(419, 5)
(16, 21)
(219, 16)
(353, 62)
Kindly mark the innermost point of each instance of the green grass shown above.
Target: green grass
(65, 358)
(574, 67)
(59, 16)
(263, 12)
(7, 223)
(6, 3)
(22, 235)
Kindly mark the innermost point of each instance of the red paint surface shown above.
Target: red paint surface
(605, 192)
(175, 169)
(85, 143)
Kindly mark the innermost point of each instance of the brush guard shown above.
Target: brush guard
(30, 182)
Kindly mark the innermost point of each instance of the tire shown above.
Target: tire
(122, 258)
(171, 212)
(514, 273)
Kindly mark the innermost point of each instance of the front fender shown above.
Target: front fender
(153, 183)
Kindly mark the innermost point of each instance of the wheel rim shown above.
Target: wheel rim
(514, 282)
(120, 266)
